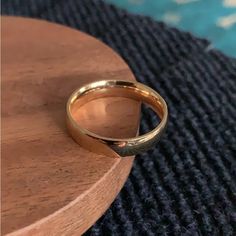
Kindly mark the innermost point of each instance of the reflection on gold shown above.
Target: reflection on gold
(103, 114)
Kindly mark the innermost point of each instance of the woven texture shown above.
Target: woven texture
(186, 185)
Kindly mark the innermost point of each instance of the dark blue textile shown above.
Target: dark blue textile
(186, 185)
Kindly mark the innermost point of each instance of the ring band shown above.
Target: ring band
(116, 88)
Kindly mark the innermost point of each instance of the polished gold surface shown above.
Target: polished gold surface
(116, 88)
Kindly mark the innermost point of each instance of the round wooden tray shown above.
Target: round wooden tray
(50, 185)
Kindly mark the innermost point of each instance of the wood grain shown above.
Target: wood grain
(49, 184)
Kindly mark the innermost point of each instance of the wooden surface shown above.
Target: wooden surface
(49, 184)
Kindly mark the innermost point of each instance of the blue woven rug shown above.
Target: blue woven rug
(186, 184)
(211, 19)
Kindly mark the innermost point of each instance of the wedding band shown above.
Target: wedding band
(116, 88)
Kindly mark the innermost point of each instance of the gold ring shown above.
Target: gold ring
(116, 88)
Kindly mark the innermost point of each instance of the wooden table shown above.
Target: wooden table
(50, 185)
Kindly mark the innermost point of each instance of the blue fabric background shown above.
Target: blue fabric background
(211, 19)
